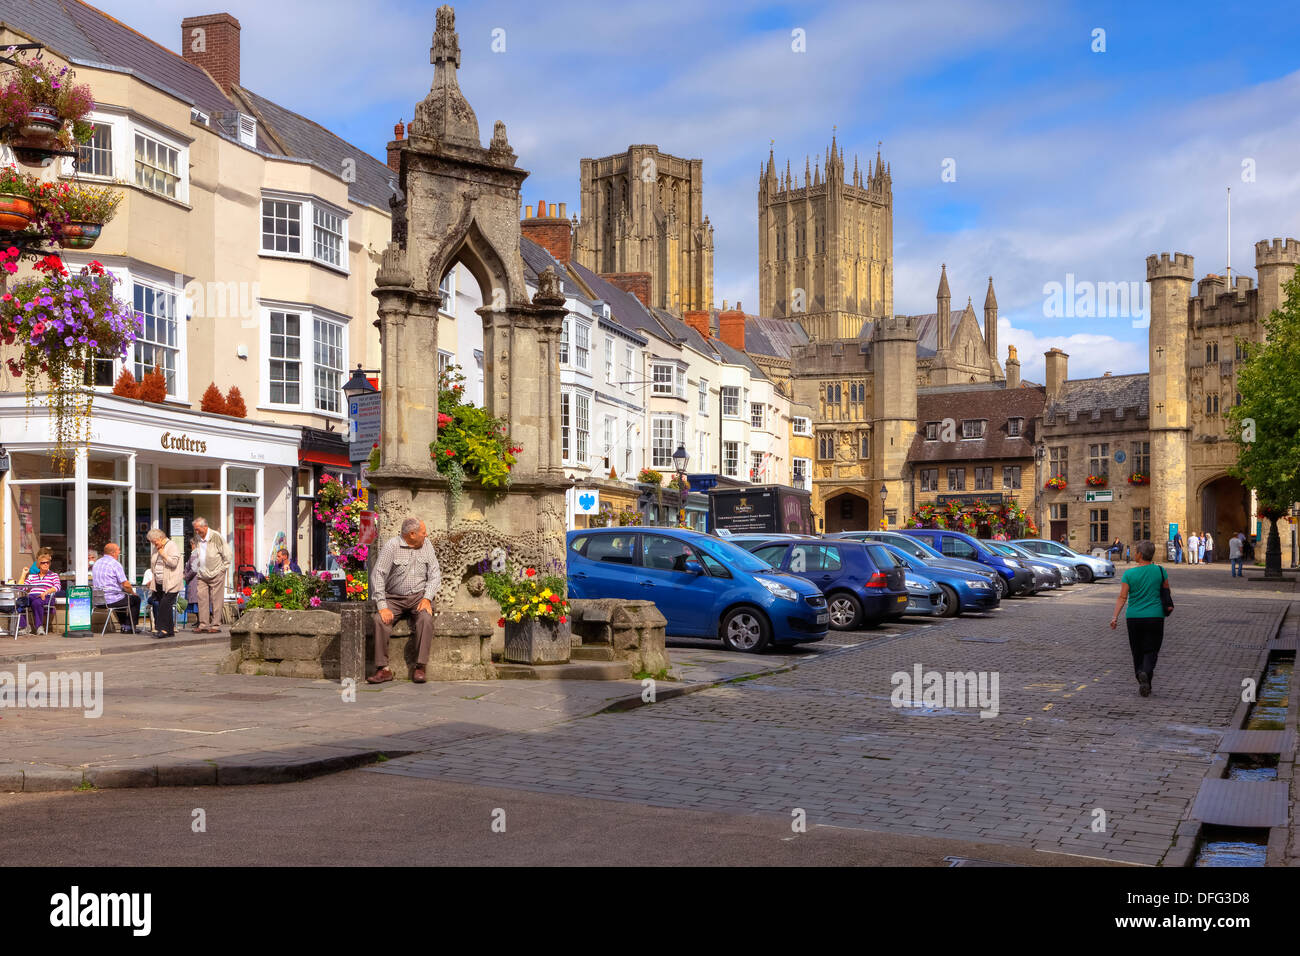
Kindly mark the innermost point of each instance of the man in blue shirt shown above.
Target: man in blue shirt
(108, 576)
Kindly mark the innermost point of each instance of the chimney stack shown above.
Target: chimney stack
(211, 42)
(731, 327)
(699, 321)
(394, 154)
(1056, 368)
(1013, 368)
(552, 232)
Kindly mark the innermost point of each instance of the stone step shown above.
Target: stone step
(575, 670)
(592, 652)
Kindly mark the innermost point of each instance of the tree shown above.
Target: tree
(153, 387)
(126, 385)
(213, 401)
(235, 403)
(1266, 424)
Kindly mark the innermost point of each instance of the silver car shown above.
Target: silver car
(1088, 567)
(1068, 573)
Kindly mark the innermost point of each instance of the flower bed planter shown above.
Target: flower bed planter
(537, 641)
(16, 212)
(1139, 480)
(1097, 481)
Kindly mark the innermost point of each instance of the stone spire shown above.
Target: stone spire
(944, 301)
(445, 115)
(991, 323)
(990, 300)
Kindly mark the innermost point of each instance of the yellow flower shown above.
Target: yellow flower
(546, 593)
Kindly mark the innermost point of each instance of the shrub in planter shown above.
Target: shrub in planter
(153, 387)
(471, 444)
(126, 385)
(286, 592)
(213, 401)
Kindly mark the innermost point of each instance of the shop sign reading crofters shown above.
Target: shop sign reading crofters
(183, 443)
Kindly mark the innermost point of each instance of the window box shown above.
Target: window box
(1055, 483)
(1097, 481)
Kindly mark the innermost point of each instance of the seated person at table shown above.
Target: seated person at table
(283, 564)
(42, 553)
(110, 578)
(45, 591)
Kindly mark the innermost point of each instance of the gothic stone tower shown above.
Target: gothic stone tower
(826, 248)
(1171, 281)
(893, 366)
(643, 211)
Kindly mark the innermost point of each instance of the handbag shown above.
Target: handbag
(1166, 596)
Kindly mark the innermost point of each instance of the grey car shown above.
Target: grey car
(1068, 574)
(1088, 567)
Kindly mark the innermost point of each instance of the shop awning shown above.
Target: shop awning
(333, 459)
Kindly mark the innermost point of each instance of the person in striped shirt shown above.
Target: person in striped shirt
(45, 590)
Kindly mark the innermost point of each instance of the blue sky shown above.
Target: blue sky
(1068, 162)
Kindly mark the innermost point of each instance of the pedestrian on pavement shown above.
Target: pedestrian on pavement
(1193, 548)
(1235, 551)
(1145, 618)
(1116, 549)
(405, 581)
(210, 582)
(46, 588)
(110, 578)
(1207, 542)
(1178, 547)
(168, 575)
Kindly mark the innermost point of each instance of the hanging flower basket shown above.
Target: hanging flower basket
(79, 235)
(648, 476)
(41, 108)
(1097, 481)
(1139, 479)
(18, 193)
(1055, 483)
(75, 214)
(339, 509)
(62, 323)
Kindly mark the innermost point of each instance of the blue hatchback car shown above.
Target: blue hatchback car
(962, 590)
(1014, 576)
(864, 583)
(704, 586)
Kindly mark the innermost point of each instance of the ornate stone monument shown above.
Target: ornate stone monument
(460, 203)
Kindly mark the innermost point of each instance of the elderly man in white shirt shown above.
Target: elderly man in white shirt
(210, 585)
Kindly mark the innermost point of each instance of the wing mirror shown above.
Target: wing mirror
(694, 567)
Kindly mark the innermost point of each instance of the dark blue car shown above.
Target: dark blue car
(704, 586)
(962, 590)
(863, 583)
(1014, 577)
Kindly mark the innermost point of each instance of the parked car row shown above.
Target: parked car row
(754, 590)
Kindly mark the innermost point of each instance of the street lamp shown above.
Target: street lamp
(359, 384)
(884, 493)
(680, 460)
(1040, 452)
(1295, 517)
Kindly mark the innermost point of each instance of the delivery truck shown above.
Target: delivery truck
(760, 509)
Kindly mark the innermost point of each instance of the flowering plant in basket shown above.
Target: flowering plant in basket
(527, 594)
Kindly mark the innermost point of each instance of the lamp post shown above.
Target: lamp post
(884, 493)
(1295, 517)
(1040, 452)
(680, 460)
(355, 387)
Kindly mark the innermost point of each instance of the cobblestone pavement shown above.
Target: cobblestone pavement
(1072, 747)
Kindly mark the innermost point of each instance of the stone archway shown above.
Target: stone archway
(847, 511)
(460, 203)
(1225, 510)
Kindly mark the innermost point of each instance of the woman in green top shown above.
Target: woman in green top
(1140, 587)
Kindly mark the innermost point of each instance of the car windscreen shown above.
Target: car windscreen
(917, 549)
(997, 547)
(731, 555)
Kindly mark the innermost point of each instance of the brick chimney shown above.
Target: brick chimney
(395, 155)
(731, 327)
(1056, 362)
(212, 43)
(634, 283)
(553, 232)
(699, 321)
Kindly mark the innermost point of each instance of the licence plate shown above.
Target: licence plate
(824, 618)
(902, 599)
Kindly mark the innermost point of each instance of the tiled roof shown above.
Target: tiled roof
(991, 402)
(1085, 396)
(626, 307)
(775, 337)
(374, 184)
(537, 260)
(90, 37)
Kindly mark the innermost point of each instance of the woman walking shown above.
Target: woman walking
(168, 576)
(1140, 587)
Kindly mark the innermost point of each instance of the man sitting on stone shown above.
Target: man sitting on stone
(404, 581)
(109, 577)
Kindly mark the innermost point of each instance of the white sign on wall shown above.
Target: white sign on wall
(586, 501)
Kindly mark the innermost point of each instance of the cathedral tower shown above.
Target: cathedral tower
(642, 211)
(826, 247)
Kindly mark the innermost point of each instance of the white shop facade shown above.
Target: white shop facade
(145, 466)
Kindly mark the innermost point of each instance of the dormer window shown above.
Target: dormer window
(1014, 427)
(972, 428)
(931, 431)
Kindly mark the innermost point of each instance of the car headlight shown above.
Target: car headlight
(915, 585)
(1012, 563)
(976, 584)
(777, 589)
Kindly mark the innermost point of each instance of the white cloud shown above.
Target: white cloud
(1091, 354)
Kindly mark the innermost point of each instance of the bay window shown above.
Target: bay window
(284, 222)
(306, 360)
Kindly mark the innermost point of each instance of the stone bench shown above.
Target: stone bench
(611, 629)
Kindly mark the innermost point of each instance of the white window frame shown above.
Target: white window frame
(731, 465)
(675, 430)
(704, 396)
(801, 473)
(665, 387)
(107, 152)
(122, 148)
(733, 392)
(629, 359)
(575, 427)
(182, 152)
(308, 207)
(609, 359)
(178, 389)
(801, 425)
(582, 345)
(757, 415)
(308, 317)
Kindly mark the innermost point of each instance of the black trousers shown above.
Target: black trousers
(129, 604)
(164, 612)
(1145, 634)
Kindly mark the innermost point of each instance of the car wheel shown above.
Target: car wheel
(745, 629)
(845, 609)
(1085, 574)
(1000, 583)
(950, 604)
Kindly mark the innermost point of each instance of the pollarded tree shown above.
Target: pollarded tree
(1266, 424)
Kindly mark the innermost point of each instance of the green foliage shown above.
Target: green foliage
(527, 594)
(287, 592)
(472, 445)
(1266, 425)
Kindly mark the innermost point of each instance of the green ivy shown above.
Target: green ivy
(471, 443)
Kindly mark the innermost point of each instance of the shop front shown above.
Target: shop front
(145, 466)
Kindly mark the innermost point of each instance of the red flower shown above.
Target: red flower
(450, 452)
(501, 622)
(530, 572)
(277, 604)
(563, 619)
(247, 591)
(349, 577)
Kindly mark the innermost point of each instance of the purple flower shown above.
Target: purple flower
(69, 340)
